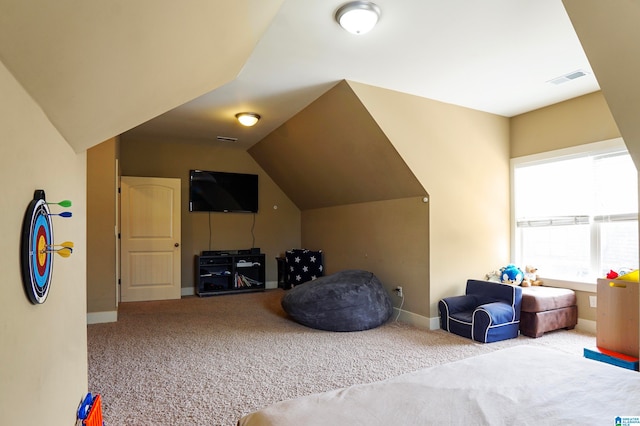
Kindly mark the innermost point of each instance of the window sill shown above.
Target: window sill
(590, 287)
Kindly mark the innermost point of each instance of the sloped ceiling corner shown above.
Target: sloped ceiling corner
(98, 69)
(333, 153)
(609, 33)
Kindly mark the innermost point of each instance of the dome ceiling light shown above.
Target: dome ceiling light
(358, 17)
(247, 118)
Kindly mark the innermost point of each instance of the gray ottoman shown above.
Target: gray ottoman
(350, 300)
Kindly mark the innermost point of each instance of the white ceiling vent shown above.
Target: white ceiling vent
(568, 77)
(227, 139)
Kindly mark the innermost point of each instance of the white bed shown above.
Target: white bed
(522, 385)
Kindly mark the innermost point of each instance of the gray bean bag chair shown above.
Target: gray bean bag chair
(350, 300)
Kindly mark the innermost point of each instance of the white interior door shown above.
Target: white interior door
(150, 239)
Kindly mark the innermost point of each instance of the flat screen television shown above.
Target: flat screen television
(222, 192)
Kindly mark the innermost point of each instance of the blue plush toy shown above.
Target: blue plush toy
(511, 274)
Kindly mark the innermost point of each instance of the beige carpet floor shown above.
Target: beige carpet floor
(209, 361)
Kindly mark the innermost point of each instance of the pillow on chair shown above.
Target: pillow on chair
(302, 265)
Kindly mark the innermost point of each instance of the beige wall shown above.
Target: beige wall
(441, 145)
(608, 32)
(467, 216)
(101, 68)
(461, 157)
(275, 230)
(43, 348)
(575, 122)
(388, 238)
(360, 202)
(101, 223)
(333, 153)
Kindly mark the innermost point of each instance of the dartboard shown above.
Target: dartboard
(36, 254)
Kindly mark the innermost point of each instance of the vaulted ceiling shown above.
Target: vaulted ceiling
(334, 153)
(98, 69)
(497, 56)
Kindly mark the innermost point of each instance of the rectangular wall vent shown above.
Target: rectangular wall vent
(227, 139)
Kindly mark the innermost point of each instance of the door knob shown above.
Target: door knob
(176, 245)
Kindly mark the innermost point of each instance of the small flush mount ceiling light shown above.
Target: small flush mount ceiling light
(247, 118)
(358, 17)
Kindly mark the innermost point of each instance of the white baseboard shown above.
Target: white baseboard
(414, 319)
(102, 317)
(270, 285)
(420, 321)
(434, 323)
(588, 326)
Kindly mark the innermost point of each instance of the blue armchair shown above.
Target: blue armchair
(488, 312)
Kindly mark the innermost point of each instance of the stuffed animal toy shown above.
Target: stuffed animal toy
(612, 275)
(511, 274)
(494, 276)
(530, 277)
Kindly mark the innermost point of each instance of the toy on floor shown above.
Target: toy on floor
(90, 411)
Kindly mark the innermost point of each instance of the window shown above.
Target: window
(576, 212)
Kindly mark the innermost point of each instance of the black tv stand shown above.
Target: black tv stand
(229, 271)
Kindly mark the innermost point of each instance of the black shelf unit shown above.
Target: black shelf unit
(228, 273)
